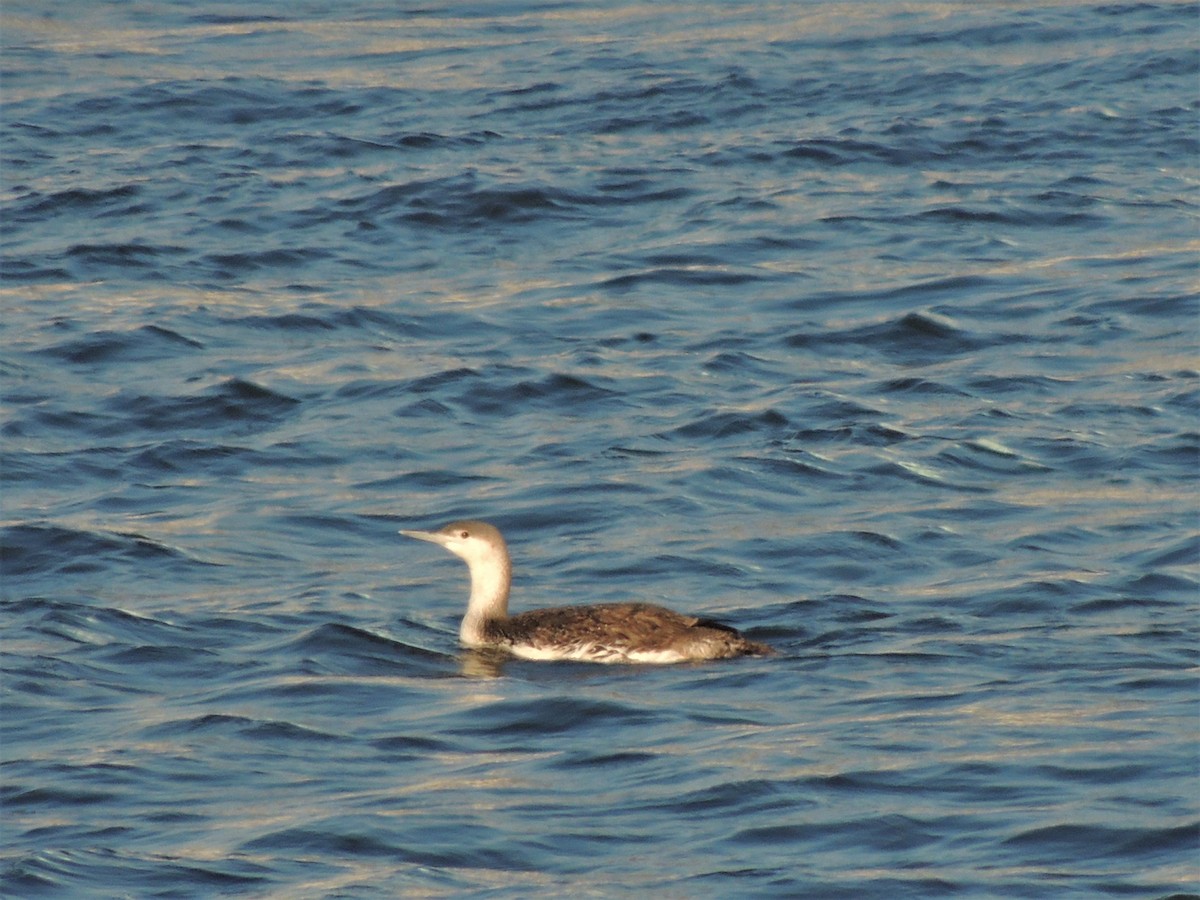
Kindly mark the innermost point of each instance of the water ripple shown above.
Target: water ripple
(868, 331)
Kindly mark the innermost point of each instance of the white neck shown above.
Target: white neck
(491, 576)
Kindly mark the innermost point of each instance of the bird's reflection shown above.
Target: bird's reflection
(483, 662)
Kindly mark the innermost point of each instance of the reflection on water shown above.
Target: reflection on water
(485, 663)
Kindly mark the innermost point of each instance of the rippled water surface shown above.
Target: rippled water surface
(868, 328)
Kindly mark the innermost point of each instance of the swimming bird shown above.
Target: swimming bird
(604, 632)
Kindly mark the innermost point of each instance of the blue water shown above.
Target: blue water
(870, 329)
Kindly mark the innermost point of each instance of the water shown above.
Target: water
(868, 328)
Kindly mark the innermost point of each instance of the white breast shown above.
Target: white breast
(596, 653)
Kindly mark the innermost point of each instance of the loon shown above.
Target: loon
(605, 632)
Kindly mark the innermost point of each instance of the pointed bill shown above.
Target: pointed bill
(433, 537)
